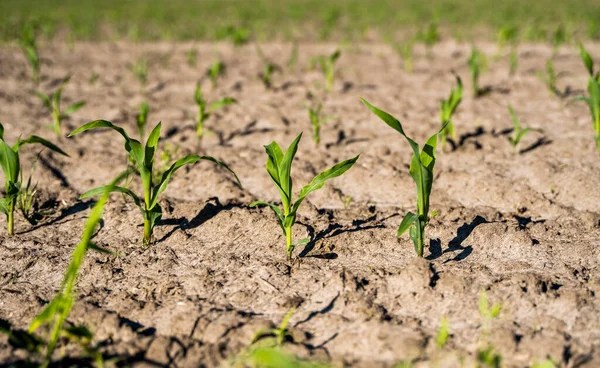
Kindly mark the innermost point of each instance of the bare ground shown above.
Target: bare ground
(523, 227)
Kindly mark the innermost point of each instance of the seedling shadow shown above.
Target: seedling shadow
(467, 136)
(455, 244)
(325, 310)
(543, 141)
(64, 213)
(209, 211)
(249, 129)
(335, 230)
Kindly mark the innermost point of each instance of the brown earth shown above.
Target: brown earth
(523, 227)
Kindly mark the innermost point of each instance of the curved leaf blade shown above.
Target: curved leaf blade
(408, 220)
(34, 139)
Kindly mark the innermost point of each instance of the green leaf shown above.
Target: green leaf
(4, 206)
(150, 148)
(47, 314)
(275, 209)
(45, 99)
(9, 161)
(408, 220)
(275, 156)
(74, 107)
(319, 180)
(132, 146)
(154, 215)
(587, 60)
(285, 168)
(190, 159)
(34, 139)
(221, 103)
(1, 131)
(100, 190)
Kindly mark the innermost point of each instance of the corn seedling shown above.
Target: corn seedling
(559, 37)
(26, 197)
(431, 36)
(589, 63)
(205, 110)
(513, 61)
(315, 119)
(279, 167)
(548, 363)
(280, 334)
(268, 69)
(293, 60)
(508, 35)
(216, 70)
(29, 46)
(140, 70)
(421, 170)
(448, 108)
(191, 57)
(488, 357)
(11, 167)
(52, 103)
(443, 333)
(56, 312)
(405, 50)
(327, 65)
(593, 102)
(141, 119)
(549, 78)
(518, 131)
(143, 161)
(476, 65)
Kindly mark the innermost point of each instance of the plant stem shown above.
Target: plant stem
(11, 218)
(147, 232)
(288, 242)
(420, 236)
(56, 118)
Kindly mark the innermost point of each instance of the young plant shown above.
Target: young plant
(476, 65)
(216, 70)
(11, 167)
(29, 46)
(447, 110)
(141, 119)
(268, 69)
(280, 334)
(52, 103)
(327, 64)
(593, 101)
(56, 312)
(26, 197)
(279, 167)
(315, 119)
(205, 110)
(589, 63)
(508, 35)
(191, 56)
(518, 131)
(421, 170)
(140, 70)
(550, 78)
(143, 162)
(405, 50)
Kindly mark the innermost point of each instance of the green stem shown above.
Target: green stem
(147, 232)
(56, 118)
(11, 218)
(420, 235)
(288, 242)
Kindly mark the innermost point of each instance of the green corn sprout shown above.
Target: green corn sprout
(140, 70)
(507, 35)
(141, 119)
(549, 78)
(143, 161)
(29, 47)
(447, 110)
(559, 37)
(56, 312)
(327, 64)
(26, 197)
(52, 103)
(216, 70)
(593, 102)
(280, 333)
(191, 57)
(476, 65)
(518, 131)
(204, 111)
(11, 167)
(513, 61)
(293, 60)
(421, 170)
(431, 36)
(279, 167)
(268, 69)
(443, 333)
(315, 118)
(405, 50)
(589, 63)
